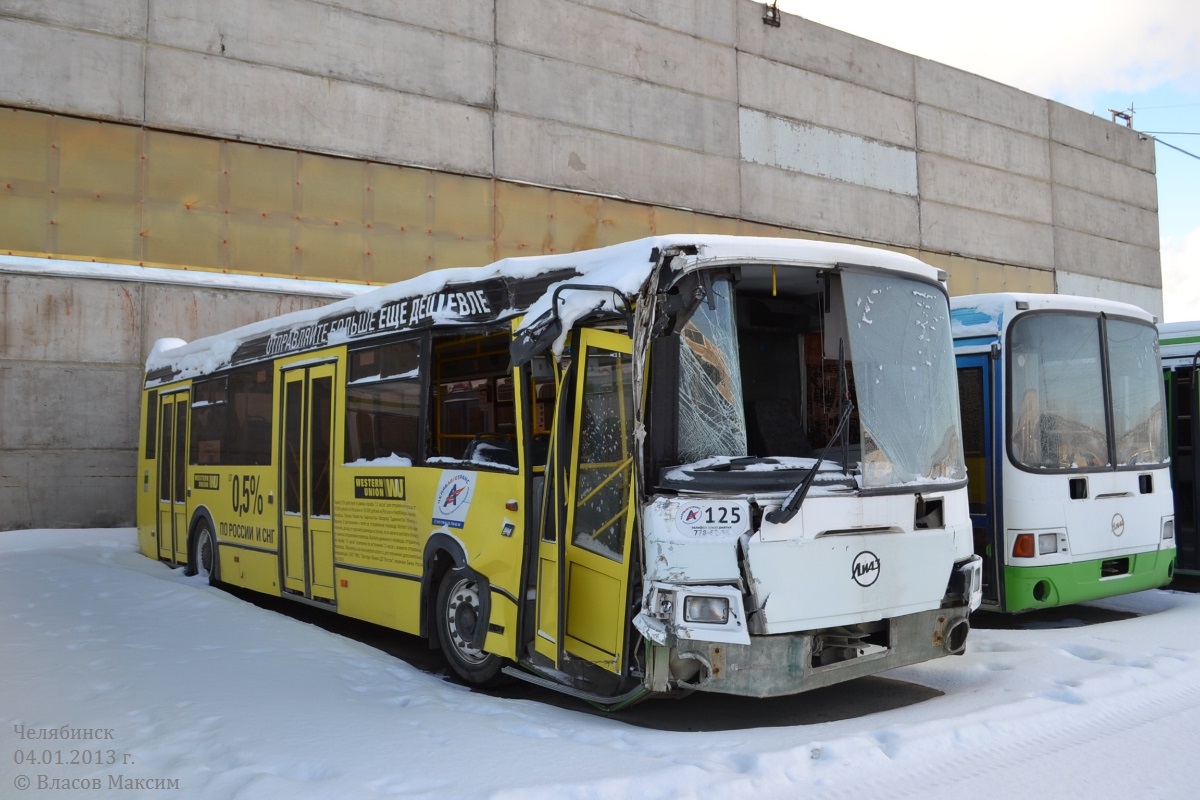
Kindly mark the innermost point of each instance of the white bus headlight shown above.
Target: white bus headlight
(1168, 529)
(713, 610)
(1047, 543)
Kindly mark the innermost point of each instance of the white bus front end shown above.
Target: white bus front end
(806, 517)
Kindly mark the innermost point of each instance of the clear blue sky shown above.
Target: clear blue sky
(1090, 55)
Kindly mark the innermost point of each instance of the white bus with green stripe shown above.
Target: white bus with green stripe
(1064, 432)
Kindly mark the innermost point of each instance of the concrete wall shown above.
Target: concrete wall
(694, 104)
(72, 350)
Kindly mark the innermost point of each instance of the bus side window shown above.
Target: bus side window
(151, 423)
(473, 399)
(251, 396)
(383, 402)
(210, 421)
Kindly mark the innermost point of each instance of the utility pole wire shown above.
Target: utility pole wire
(1180, 149)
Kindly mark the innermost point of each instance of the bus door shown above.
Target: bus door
(982, 448)
(172, 476)
(1183, 402)
(307, 459)
(584, 553)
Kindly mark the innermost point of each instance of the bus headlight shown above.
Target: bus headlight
(1039, 543)
(714, 610)
(1168, 529)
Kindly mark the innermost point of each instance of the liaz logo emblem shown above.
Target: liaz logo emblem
(1118, 524)
(866, 568)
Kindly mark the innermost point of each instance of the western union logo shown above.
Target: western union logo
(207, 481)
(379, 488)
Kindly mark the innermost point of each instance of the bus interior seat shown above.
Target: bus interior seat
(491, 449)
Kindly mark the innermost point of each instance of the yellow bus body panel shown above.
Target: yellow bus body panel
(383, 516)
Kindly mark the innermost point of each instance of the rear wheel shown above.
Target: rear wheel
(204, 554)
(458, 617)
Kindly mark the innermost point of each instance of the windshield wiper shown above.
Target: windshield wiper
(736, 464)
(791, 505)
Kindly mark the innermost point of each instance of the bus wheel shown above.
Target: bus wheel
(457, 616)
(204, 557)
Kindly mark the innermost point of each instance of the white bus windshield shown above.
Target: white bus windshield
(905, 380)
(1060, 406)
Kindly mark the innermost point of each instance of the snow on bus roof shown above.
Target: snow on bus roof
(624, 267)
(978, 315)
(100, 270)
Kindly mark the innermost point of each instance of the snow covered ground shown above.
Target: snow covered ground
(192, 685)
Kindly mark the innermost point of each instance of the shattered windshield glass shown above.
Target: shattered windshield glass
(905, 381)
(712, 419)
(774, 372)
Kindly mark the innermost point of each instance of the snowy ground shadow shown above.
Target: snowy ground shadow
(700, 711)
(1049, 618)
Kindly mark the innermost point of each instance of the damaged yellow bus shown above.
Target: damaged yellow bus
(726, 464)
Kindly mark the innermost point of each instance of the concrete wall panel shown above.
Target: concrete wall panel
(826, 51)
(1097, 135)
(1090, 286)
(204, 312)
(123, 18)
(812, 150)
(225, 98)
(961, 183)
(552, 154)
(953, 89)
(1099, 216)
(1100, 176)
(786, 91)
(16, 506)
(90, 74)
(547, 89)
(986, 236)
(48, 319)
(1099, 257)
(68, 489)
(470, 18)
(972, 276)
(330, 42)
(42, 408)
(71, 358)
(826, 206)
(982, 143)
(714, 20)
(591, 37)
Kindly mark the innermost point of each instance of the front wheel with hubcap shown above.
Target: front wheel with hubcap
(204, 554)
(458, 615)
